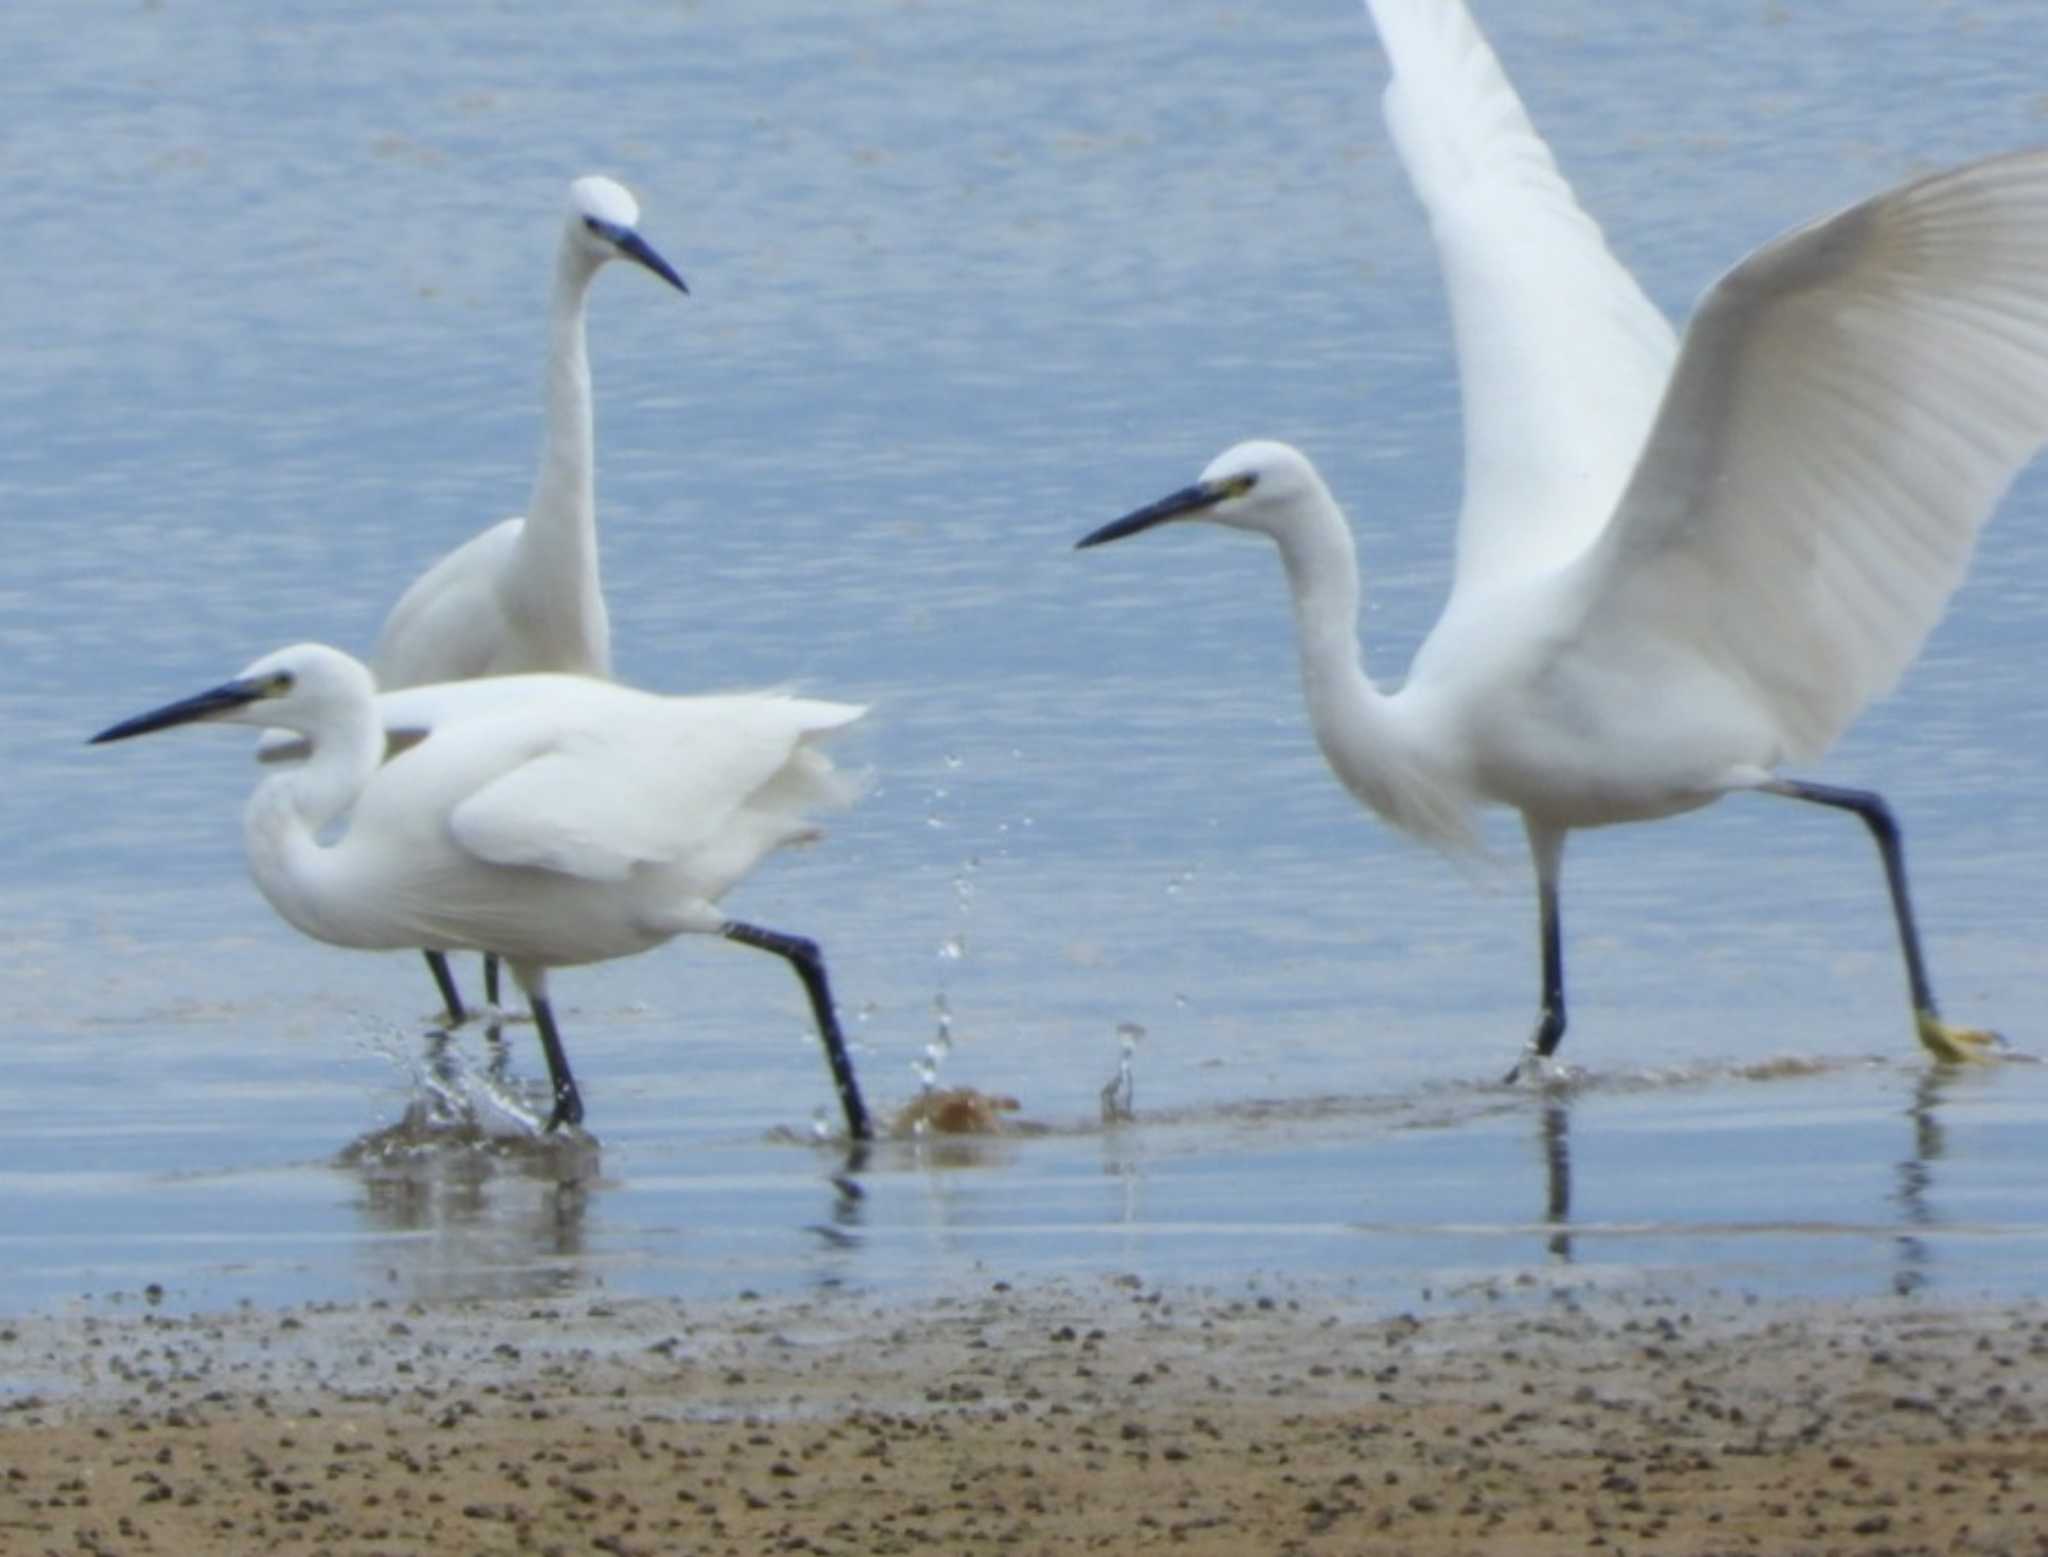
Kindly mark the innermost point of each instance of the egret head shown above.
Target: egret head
(603, 224)
(1260, 485)
(290, 689)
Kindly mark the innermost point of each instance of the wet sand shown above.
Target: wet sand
(1096, 1416)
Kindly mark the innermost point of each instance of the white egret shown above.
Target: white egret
(553, 820)
(1663, 593)
(525, 595)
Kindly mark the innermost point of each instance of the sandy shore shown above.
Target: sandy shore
(1098, 1416)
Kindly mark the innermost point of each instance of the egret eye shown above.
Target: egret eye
(594, 225)
(282, 683)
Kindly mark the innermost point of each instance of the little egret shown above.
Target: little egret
(552, 820)
(525, 595)
(1663, 592)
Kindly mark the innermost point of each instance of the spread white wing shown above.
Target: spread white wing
(1561, 357)
(1848, 406)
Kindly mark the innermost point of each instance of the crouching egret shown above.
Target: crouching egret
(553, 820)
(1847, 407)
(525, 594)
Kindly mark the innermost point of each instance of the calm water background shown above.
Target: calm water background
(967, 280)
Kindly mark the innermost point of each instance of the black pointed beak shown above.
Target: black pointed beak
(638, 249)
(209, 704)
(1175, 505)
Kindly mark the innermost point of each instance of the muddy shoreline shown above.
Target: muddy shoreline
(1085, 1416)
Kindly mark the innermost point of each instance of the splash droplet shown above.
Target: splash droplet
(937, 1047)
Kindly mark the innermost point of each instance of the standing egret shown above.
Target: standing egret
(553, 820)
(525, 594)
(1662, 596)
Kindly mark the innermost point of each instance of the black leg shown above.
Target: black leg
(568, 1101)
(491, 977)
(804, 957)
(1942, 1040)
(1550, 1027)
(451, 997)
(1547, 849)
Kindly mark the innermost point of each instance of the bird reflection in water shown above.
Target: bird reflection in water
(1916, 1177)
(1555, 1136)
(846, 1221)
(455, 1209)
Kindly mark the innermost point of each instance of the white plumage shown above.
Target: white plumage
(1561, 357)
(552, 820)
(526, 594)
(1672, 576)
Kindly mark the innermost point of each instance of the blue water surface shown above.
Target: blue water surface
(966, 281)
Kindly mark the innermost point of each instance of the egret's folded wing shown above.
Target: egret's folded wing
(598, 799)
(449, 624)
(1560, 355)
(1848, 406)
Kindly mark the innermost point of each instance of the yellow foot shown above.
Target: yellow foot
(1957, 1045)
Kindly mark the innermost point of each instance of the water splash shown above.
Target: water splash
(963, 883)
(952, 947)
(928, 1064)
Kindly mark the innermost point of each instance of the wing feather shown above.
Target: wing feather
(1561, 357)
(595, 799)
(448, 625)
(1849, 404)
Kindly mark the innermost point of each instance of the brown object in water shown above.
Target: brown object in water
(954, 1111)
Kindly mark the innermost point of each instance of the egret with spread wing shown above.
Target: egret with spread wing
(1673, 576)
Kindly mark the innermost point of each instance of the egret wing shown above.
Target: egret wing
(1849, 404)
(1561, 357)
(598, 797)
(448, 624)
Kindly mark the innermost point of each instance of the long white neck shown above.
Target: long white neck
(1359, 728)
(284, 818)
(561, 593)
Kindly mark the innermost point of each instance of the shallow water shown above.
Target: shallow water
(966, 281)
